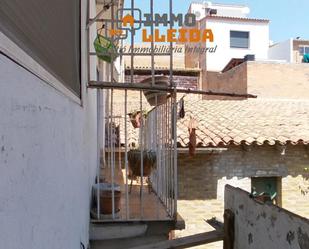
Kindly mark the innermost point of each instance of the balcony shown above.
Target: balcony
(138, 189)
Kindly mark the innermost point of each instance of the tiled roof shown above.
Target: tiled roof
(223, 123)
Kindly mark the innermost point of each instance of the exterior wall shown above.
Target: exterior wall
(232, 81)
(198, 10)
(297, 58)
(262, 226)
(264, 79)
(201, 181)
(259, 41)
(182, 81)
(202, 59)
(160, 61)
(287, 51)
(193, 59)
(222, 9)
(278, 80)
(281, 51)
(47, 159)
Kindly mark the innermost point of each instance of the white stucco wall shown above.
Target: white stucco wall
(47, 159)
(259, 41)
(281, 51)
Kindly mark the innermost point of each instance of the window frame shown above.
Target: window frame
(278, 179)
(238, 47)
(303, 47)
(13, 51)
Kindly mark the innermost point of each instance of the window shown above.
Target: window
(50, 33)
(303, 50)
(265, 188)
(239, 39)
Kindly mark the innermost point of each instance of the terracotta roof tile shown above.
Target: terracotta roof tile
(222, 123)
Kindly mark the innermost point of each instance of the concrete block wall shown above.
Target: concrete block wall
(202, 179)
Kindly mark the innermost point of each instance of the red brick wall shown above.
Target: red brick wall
(181, 81)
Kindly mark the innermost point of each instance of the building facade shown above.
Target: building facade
(291, 50)
(48, 126)
(235, 35)
(260, 146)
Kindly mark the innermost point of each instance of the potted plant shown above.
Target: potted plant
(134, 160)
(156, 97)
(136, 118)
(106, 195)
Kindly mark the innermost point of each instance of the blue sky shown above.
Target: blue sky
(288, 18)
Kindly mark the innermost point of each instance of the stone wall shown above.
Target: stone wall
(201, 181)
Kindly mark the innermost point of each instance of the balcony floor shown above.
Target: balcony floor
(151, 208)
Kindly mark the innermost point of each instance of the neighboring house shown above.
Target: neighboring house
(291, 50)
(251, 144)
(247, 64)
(235, 35)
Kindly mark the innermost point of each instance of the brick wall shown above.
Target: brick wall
(264, 79)
(159, 61)
(180, 80)
(201, 181)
